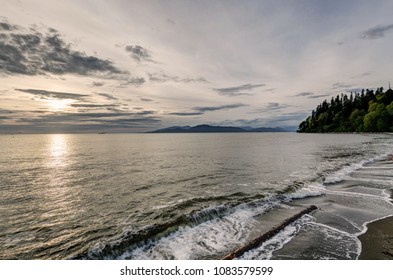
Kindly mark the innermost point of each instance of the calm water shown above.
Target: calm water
(189, 196)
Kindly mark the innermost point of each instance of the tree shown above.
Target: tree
(367, 111)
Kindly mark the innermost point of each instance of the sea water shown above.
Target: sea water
(190, 196)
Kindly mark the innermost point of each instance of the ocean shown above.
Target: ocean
(190, 196)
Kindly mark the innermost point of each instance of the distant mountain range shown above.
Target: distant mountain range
(204, 128)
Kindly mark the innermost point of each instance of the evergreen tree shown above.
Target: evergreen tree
(367, 111)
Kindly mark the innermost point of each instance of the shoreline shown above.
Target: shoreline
(377, 241)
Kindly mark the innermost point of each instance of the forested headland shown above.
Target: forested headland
(365, 111)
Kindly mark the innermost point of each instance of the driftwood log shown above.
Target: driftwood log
(259, 240)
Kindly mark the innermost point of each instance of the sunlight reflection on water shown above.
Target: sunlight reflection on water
(58, 150)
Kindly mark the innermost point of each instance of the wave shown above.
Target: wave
(221, 225)
(132, 239)
(344, 172)
(209, 227)
(266, 249)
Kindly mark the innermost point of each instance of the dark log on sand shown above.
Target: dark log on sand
(259, 240)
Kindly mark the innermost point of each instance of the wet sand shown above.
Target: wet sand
(377, 242)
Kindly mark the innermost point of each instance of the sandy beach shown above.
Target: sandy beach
(377, 242)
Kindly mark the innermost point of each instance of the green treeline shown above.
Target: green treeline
(365, 111)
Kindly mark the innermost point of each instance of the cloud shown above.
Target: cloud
(376, 32)
(145, 112)
(170, 21)
(83, 105)
(341, 86)
(132, 121)
(318, 96)
(361, 75)
(82, 102)
(304, 94)
(283, 120)
(146, 99)
(6, 118)
(186, 113)
(4, 111)
(95, 117)
(218, 108)
(311, 95)
(346, 87)
(54, 94)
(82, 122)
(271, 106)
(108, 96)
(237, 91)
(231, 94)
(295, 117)
(6, 26)
(162, 78)
(201, 110)
(34, 53)
(139, 53)
(134, 81)
(97, 84)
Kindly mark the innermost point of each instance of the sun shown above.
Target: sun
(58, 104)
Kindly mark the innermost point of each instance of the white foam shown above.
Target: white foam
(387, 194)
(351, 251)
(208, 238)
(350, 246)
(267, 248)
(313, 189)
(344, 173)
(360, 195)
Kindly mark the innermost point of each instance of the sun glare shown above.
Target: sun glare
(58, 104)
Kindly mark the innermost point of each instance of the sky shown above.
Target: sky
(137, 66)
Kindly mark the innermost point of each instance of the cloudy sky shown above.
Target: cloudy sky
(134, 66)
